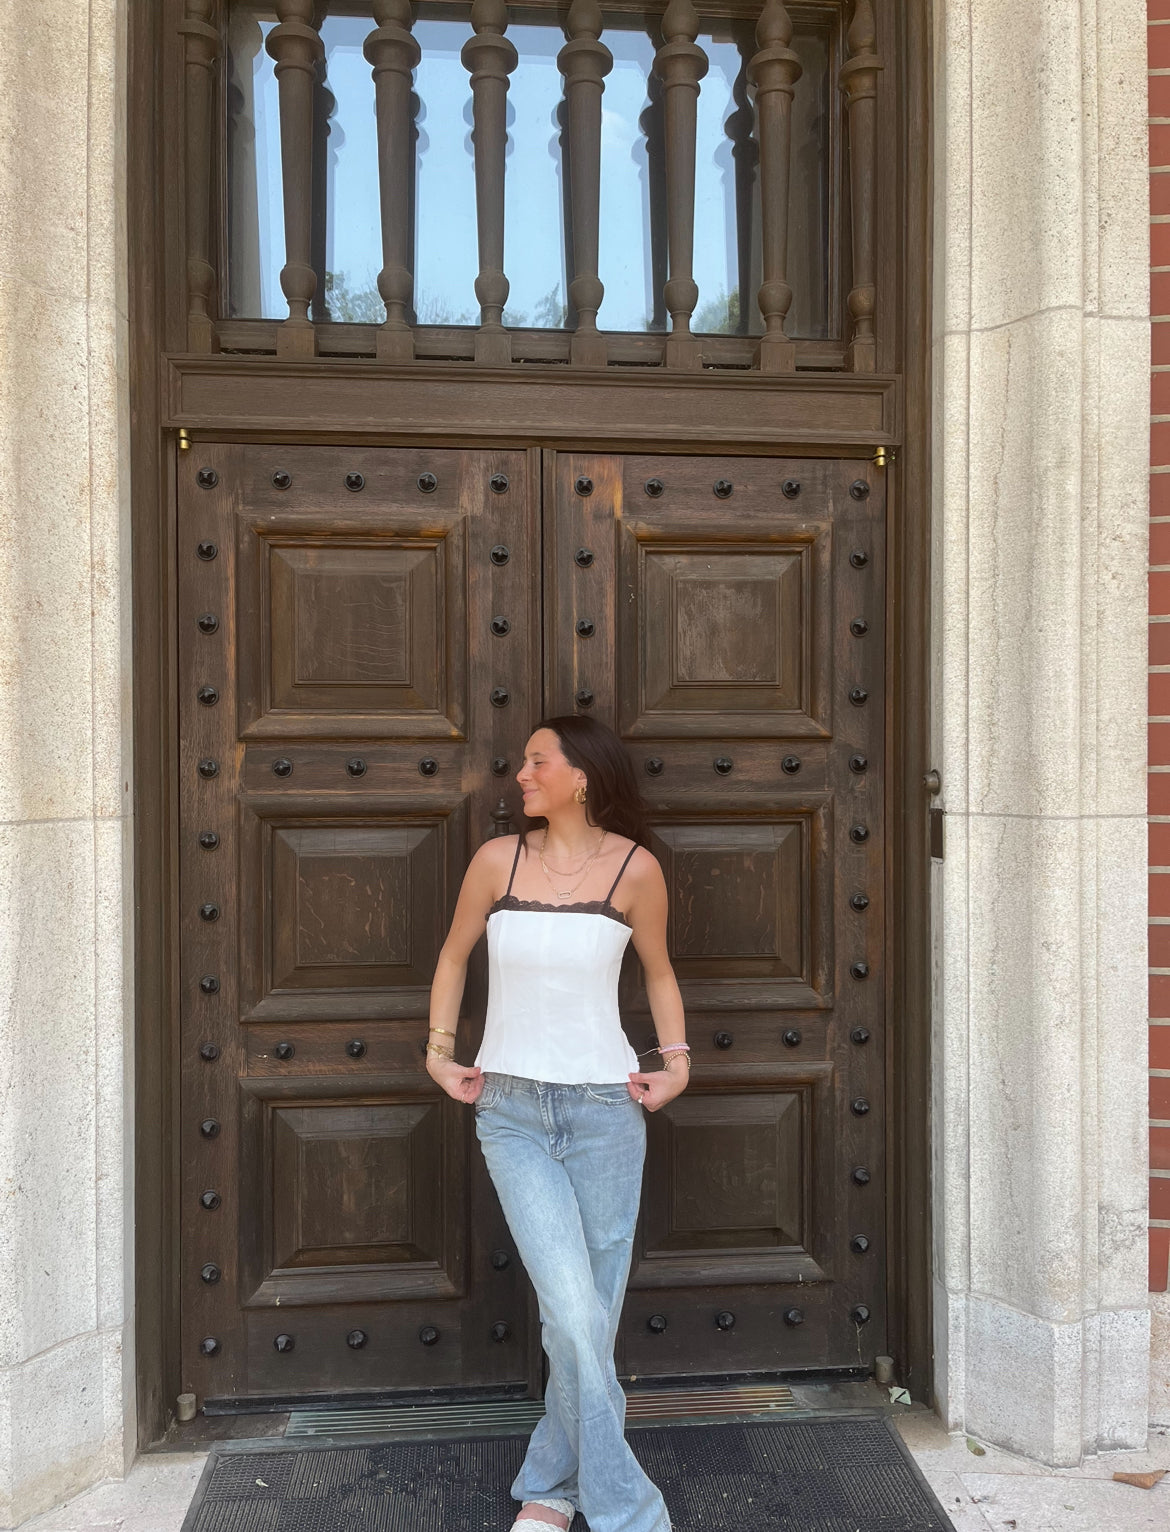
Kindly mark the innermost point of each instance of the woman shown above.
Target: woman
(559, 1096)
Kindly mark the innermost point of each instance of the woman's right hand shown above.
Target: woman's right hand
(462, 1082)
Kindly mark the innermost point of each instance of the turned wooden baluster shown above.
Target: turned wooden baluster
(680, 64)
(295, 45)
(490, 58)
(774, 71)
(393, 53)
(859, 82)
(202, 48)
(585, 61)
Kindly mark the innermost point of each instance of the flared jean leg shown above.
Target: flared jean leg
(567, 1169)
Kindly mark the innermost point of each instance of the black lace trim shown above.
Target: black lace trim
(588, 907)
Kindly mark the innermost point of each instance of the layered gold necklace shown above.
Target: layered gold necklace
(567, 893)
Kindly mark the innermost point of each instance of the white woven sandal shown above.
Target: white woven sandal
(562, 1507)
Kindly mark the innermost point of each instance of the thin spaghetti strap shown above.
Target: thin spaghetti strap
(618, 879)
(516, 863)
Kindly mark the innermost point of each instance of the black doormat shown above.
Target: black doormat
(848, 1475)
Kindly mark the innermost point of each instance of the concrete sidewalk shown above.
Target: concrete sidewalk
(994, 1492)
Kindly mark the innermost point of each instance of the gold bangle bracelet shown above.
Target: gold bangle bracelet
(440, 1052)
(443, 1030)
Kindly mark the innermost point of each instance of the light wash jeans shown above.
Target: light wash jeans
(566, 1162)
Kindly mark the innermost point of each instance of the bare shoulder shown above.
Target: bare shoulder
(492, 863)
(643, 872)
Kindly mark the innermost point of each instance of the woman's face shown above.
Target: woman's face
(546, 779)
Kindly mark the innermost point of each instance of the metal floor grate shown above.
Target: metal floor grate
(516, 1417)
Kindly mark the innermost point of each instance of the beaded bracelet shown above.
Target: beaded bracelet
(686, 1055)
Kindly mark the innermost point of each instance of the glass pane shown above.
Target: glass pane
(534, 195)
(255, 205)
(446, 259)
(346, 149)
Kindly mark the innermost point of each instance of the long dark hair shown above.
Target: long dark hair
(614, 799)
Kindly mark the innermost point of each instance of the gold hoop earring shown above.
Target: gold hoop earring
(580, 795)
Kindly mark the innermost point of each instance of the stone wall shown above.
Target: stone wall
(1040, 503)
(66, 1369)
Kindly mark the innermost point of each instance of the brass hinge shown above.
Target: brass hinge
(883, 457)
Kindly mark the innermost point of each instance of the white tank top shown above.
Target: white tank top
(552, 1011)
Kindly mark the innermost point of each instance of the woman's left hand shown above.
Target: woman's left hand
(659, 1086)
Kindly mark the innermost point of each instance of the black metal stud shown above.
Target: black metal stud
(500, 554)
(586, 627)
(211, 1274)
(208, 696)
(207, 478)
(356, 766)
(790, 764)
(209, 1346)
(794, 1317)
(583, 557)
(356, 1339)
(355, 482)
(654, 488)
(859, 1314)
(725, 1320)
(859, 1244)
(859, 627)
(428, 766)
(859, 902)
(500, 626)
(656, 1324)
(858, 558)
(859, 833)
(428, 1335)
(355, 1048)
(859, 489)
(500, 1331)
(501, 696)
(654, 764)
(858, 763)
(583, 485)
(860, 1036)
(209, 912)
(209, 1052)
(284, 1343)
(860, 1106)
(208, 839)
(859, 696)
(501, 1260)
(282, 767)
(428, 483)
(790, 489)
(209, 984)
(285, 1051)
(209, 1127)
(723, 764)
(500, 766)
(584, 698)
(793, 1037)
(208, 623)
(859, 970)
(499, 483)
(723, 488)
(281, 479)
(861, 1176)
(723, 1039)
(208, 767)
(206, 551)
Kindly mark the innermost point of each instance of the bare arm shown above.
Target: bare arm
(647, 914)
(476, 896)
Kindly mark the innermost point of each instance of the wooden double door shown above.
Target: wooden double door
(366, 637)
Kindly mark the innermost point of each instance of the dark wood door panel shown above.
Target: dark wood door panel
(734, 635)
(359, 661)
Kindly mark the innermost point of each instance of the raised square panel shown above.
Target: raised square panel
(349, 1193)
(343, 917)
(735, 1175)
(748, 906)
(352, 634)
(724, 638)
